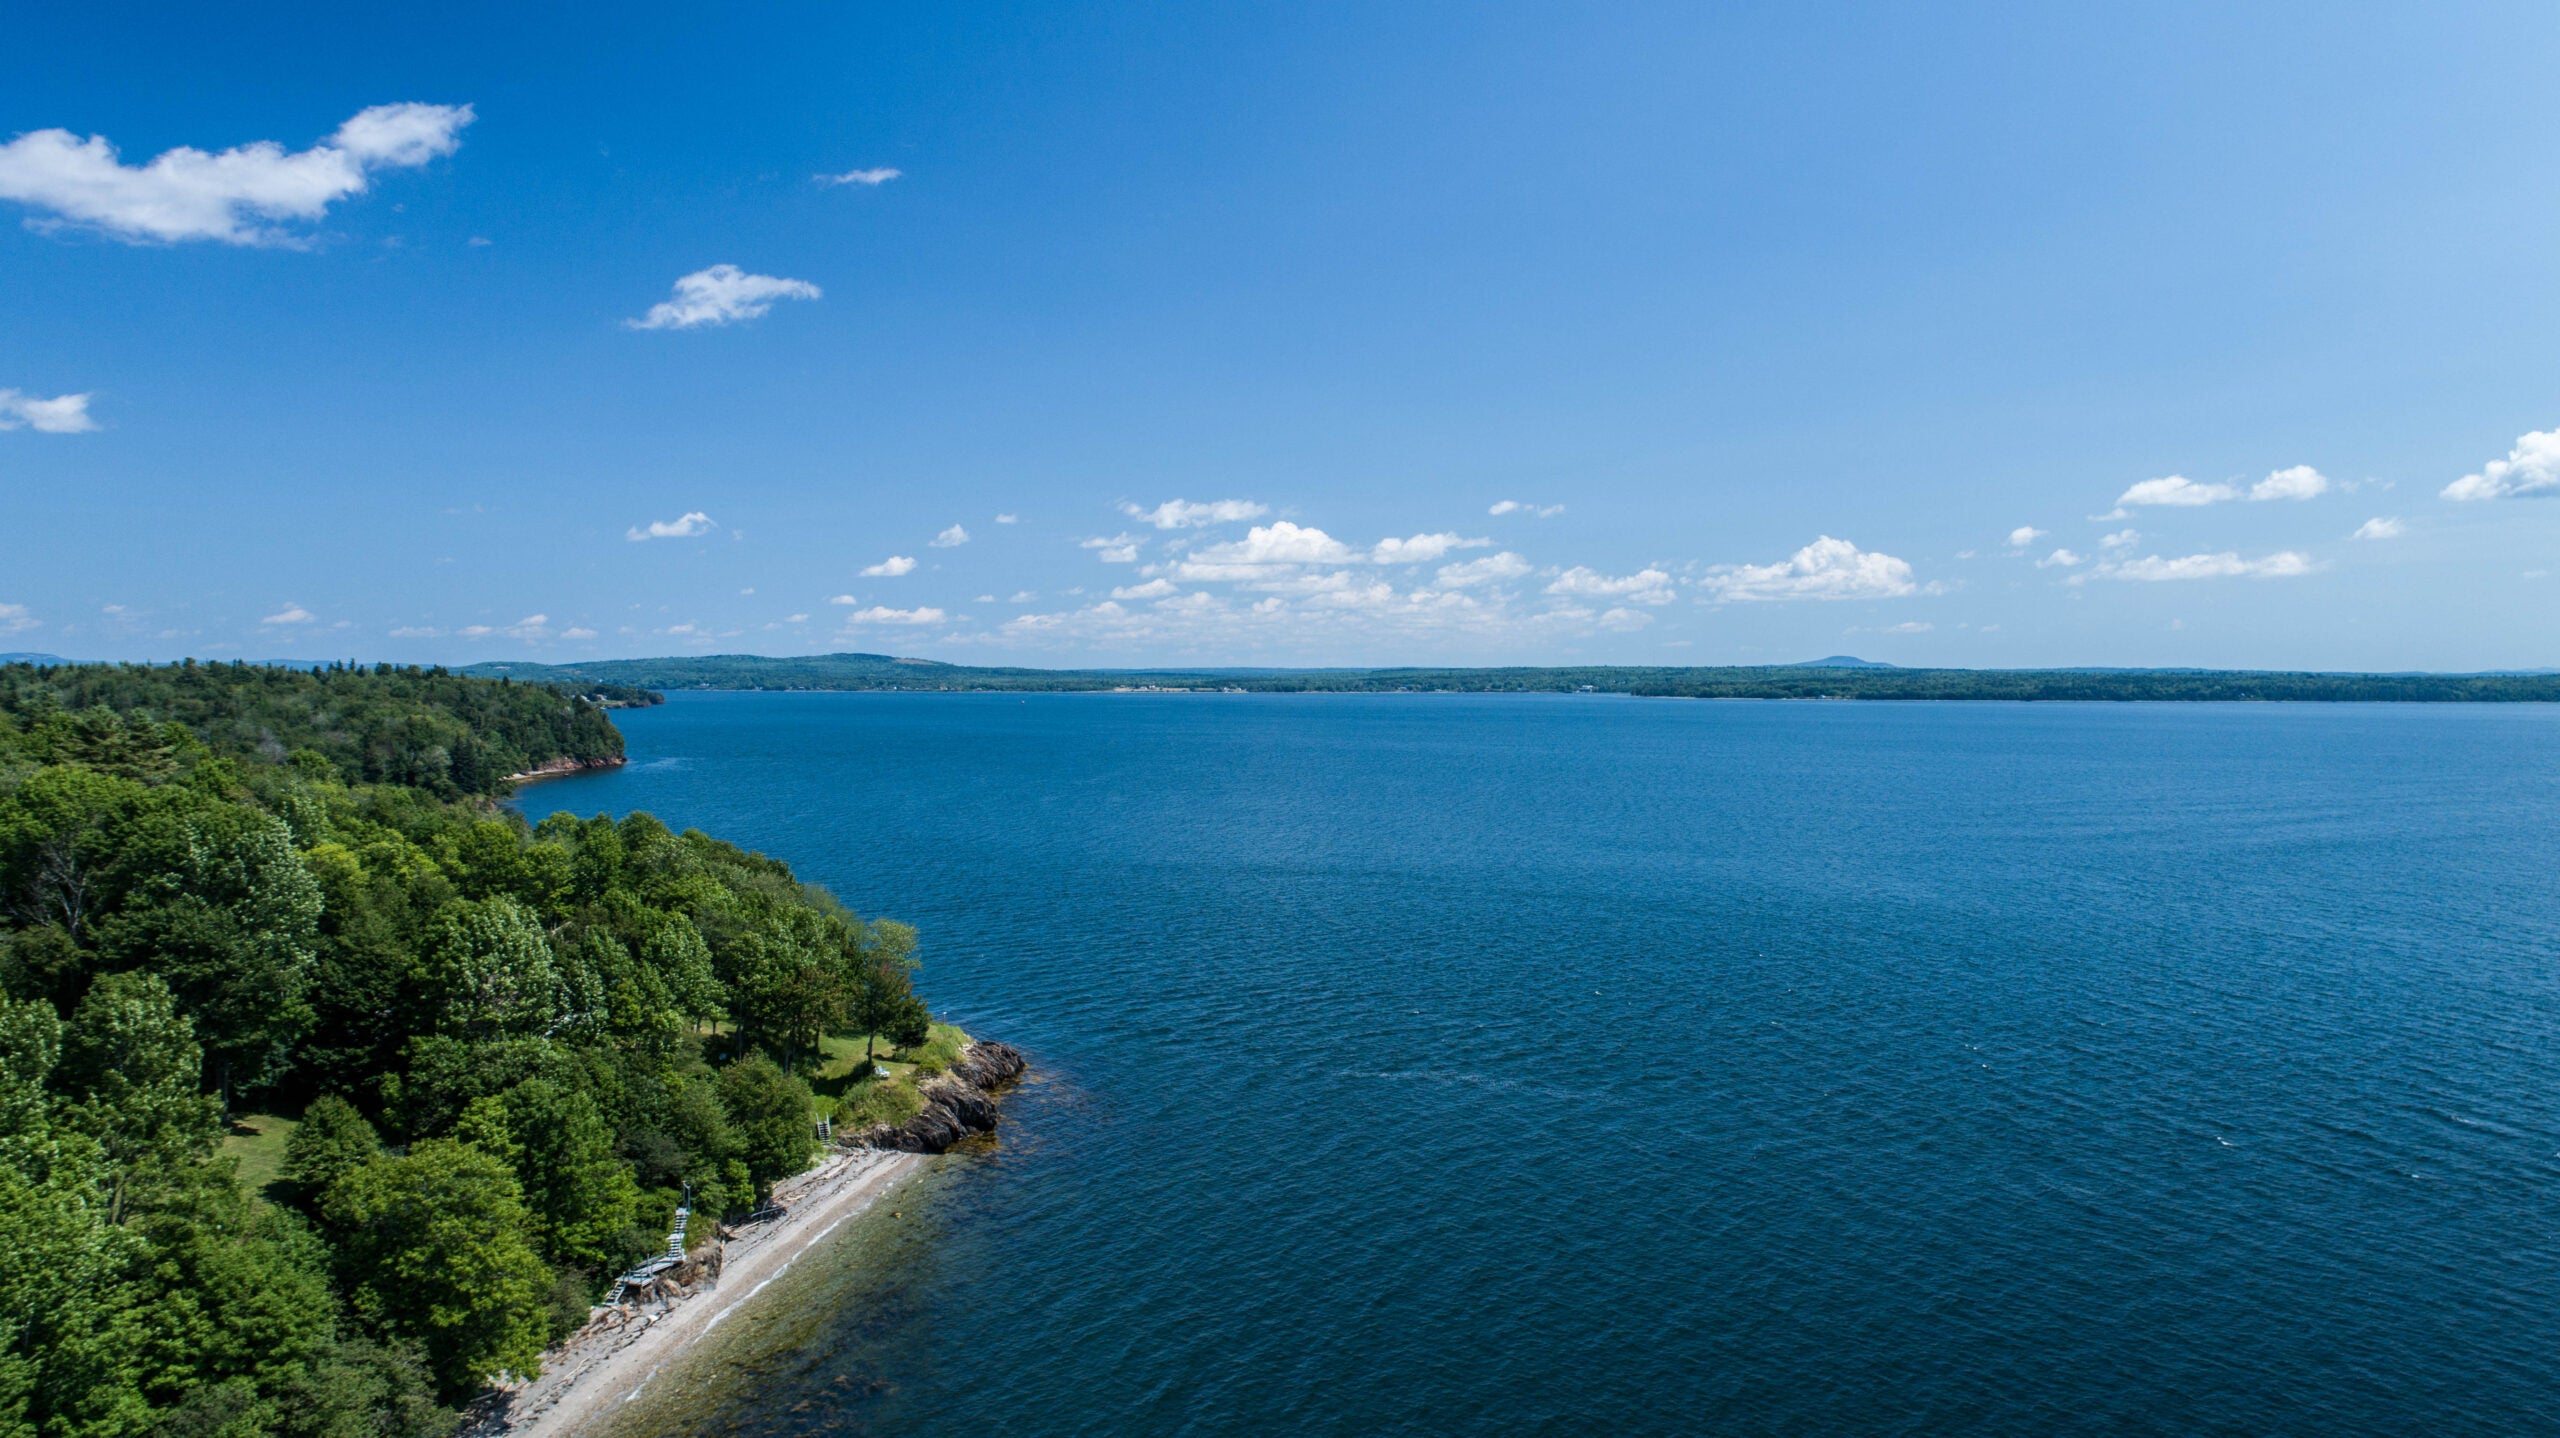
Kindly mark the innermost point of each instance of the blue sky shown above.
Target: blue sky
(1221, 333)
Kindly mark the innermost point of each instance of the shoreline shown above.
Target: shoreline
(562, 768)
(603, 1368)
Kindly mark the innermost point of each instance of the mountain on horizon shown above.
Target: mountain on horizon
(1841, 661)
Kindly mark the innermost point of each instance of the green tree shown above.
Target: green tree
(578, 1190)
(332, 1139)
(489, 971)
(881, 980)
(129, 1071)
(234, 927)
(72, 1284)
(771, 1112)
(435, 1246)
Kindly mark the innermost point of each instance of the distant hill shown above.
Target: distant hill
(32, 659)
(1839, 677)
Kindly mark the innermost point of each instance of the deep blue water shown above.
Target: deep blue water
(1422, 1064)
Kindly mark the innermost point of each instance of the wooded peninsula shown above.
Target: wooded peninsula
(1819, 680)
(330, 1088)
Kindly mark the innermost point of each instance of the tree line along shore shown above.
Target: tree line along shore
(1821, 680)
(330, 1089)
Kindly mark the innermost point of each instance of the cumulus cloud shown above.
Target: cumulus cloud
(880, 176)
(290, 614)
(1156, 588)
(62, 414)
(877, 614)
(951, 538)
(1828, 568)
(1421, 548)
(2121, 539)
(17, 619)
(688, 525)
(2380, 527)
(1263, 546)
(187, 194)
(890, 568)
(1513, 506)
(721, 295)
(1645, 586)
(2284, 564)
(1182, 514)
(2060, 558)
(1116, 549)
(2024, 535)
(1008, 518)
(1491, 569)
(2530, 470)
(2176, 491)
(577, 632)
(2299, 482)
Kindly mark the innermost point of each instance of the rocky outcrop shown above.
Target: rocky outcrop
(957, 1103)
(554, 768)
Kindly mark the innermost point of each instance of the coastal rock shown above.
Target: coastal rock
(554, 768)
(956, 1103)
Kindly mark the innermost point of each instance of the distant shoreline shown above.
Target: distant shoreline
(1837, 678)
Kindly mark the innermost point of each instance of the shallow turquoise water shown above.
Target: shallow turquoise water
(1418, 1064)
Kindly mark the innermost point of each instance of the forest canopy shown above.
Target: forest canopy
(514, 1047)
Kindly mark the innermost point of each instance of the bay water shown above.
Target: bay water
(1508, 1064)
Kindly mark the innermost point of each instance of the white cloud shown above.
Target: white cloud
(1908, 626)
(890, 568)
(878, 615)
(62, 414)
(1421, 548)
(2024, 535)
(1182, 514)
(684, 526)
(186, 194)
(880, 176)
(2299, 482)
(2175, 490)
(416, 631)
(795, 619)
(1263, 548)
(1156, 588)
(2284, 564)
(17, 619)
(722, 294)
(1825, 569)
(2060, 558)
(1008, 519)
(1645, 586)
(2531, 469)
(2121, 539)
(2380, 528)
(1491, 569)
(1513, 506)
(1118, 549)
(576, 632)
(951, 538)
(290, 614)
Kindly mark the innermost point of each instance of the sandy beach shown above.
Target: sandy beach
(605, 1367)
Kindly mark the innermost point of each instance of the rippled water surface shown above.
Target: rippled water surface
(1419, 1064)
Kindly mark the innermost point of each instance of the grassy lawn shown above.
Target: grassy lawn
(257, 1141)
(889, 1096)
